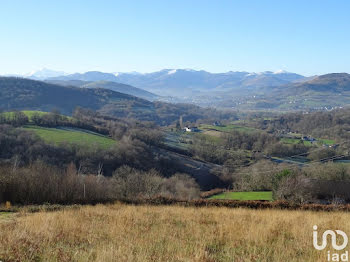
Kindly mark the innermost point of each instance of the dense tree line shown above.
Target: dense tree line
(254, 141)
(16, 118)
(310, 183)
(41, 183)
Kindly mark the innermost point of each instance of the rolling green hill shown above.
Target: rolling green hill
(71, 136)
(25, 94)
(63, 134)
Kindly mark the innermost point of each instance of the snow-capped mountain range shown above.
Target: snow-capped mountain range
(178, 82)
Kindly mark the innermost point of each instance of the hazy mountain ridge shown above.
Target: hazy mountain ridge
(180, 82)
(114, 86)
(324, 92)
(242, 90)
(44, 73)
(88, 76)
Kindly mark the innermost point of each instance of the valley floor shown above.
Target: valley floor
(122, 232)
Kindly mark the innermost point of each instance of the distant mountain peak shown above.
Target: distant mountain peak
(44, 73)
(281, 71)
(266, 73)
(334, 75)
(173, 71)
(87, 76)
(177, 70)
(130, 73)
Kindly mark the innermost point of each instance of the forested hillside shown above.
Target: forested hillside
(25, 94)
(18, 93)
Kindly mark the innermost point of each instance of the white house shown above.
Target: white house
(191, 129)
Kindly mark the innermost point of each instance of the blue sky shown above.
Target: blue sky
(307, 37)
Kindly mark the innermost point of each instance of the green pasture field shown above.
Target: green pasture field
(71, 136)
(263, 195)
(227, 128)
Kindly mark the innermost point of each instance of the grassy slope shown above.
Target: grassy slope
(29, 114)
(68, 135)
(212, 130)
(166, 233)
(308, 143)
(214, 133)
(294, 141)
(327, 141)
(244, 196)
(227, 128)
(178, 139)
(57, 136)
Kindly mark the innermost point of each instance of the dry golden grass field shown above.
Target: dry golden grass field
(122, 232)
